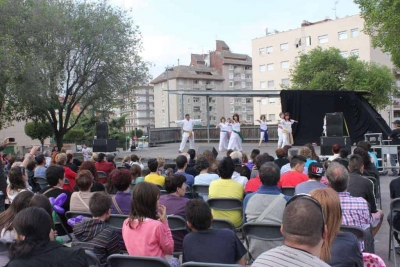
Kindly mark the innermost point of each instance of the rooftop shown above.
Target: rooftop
(223, 51)
(189, 72)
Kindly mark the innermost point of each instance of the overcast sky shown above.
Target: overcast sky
(173, 29)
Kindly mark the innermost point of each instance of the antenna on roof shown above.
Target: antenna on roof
(178, 61)
(335, 8)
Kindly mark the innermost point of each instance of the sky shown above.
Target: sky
(173, 29)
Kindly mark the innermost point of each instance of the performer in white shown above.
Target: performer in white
(85, 153)
(187, 124)
(280, 129)
(324, 127)
(235, 141)
(223, 135)
(287, 130)
(263, 130)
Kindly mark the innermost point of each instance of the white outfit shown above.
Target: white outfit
(240, 179)
(223, 136)
(287, 126)
(332, 158)
(187, 127)
(140, 164)
(48, 161)
(280, 135)
(85, 152)
(324, 127)
(235, 142)
(263, 129)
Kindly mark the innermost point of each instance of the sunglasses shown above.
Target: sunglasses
(309, 197)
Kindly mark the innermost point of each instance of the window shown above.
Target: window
(263, 85)
(232, 109)
(180, 82)
(248, 76)
(231, 100)
(243, 76)
(230, 67)
(271, 84)
(237, 100)
(355, 52)
(262, 68)
(271, 117)
(270, 67)
(248, 100)
(342, 35)
(230, 76)
(196, 109)
(196, 99)
(354, 32)
(188, 100)
(323, 39)
(344, 54)
(201, 82)
(285, 82)
(230, 84)
(249, 84)
(195, 81)
(284, 47)
(237, 109)
(243, 109)
(285, 64)
(249, 118)
(308, 40)
(243, 100)
(243, 84)
(249, 109)
(271, 100)
(262, 51)
(270, 49)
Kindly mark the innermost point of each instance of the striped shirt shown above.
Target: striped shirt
(355, 211)
(288, 257)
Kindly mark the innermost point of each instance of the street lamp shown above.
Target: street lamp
(259, 106)
(168, 69)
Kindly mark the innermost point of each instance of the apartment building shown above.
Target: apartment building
(274, 55)
(139, 108)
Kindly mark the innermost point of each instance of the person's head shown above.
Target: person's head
(41, 201)
(261, 159)
(287, 116)
(343, 153)
(202, 164)
(336, 148)
(303, 224)
(94, 157)
(280, 153)
(90, 166)
(126, 159)
(187, 117)
(41, 160)
(330, 203)
(210, 156)
(32, 228)
(364, 155)
(161, 162)
(169, 172)
(47, 153)
(338, 177)
(181, 162)
(228, 120)
(84, 180)
(262, 117)
(313, 154)
(292, 152)
(297, 163)
(363, 145)
(192, 154)
(176, 184)
(53, 157)
(70, 157)
(356, 163)
(245, 159)
(152, 164)
(61, 159)
(269, 174)
(396, 124)
(136, 171)
(84, 145)
(55, 175)
(121, 179)
(31, 165)
(20, 202)
(134, 158)
(17, 178)
(235, 117)
(236, 155)
(222, 119)
(315, 171)
(64, 150)
(254, 153)
(198, 215)
(144, 202)
(238, 164)
(305, 152)
(145, 171)
(226, 167)
(101, 157)
(281, 115)
(100, 205)
(229, 152)
(110, 158)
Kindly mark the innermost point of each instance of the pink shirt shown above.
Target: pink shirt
(153, 238)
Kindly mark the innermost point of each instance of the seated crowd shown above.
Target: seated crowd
(325, 197)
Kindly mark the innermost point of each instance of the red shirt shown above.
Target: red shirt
(104, 166)
(71, 175)
(291, 179)
(253, 184)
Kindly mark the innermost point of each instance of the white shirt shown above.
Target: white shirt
(263, 125)
(205, 178)
(140, 164)
(236, 126)
(332, 158)
(85, 152)
(224, 127)
(287, 125)
(240, 179)
(188, 124)
(228, 126)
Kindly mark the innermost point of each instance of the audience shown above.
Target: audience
(154, 177)
(367, 147)
(394, 188)
(41, 201)
(122, 179)
(191, 162)
(80, 199)
(161, 165)
(97, 186)
(204, 177)
(287, 168)
(281, 157)
(70, 162)
(315, 173)
(136, 174)
(254, 183)
(335, 150)
(175, 203)
(30, 173)
(236, 174)
(296, 175)
(269, 198)
(212, 160)
(369, 168)
(61, 159)
(314, 155)
(204, 244)
(95, 235)
(181, 164)
(304, 231)
(227, 188)
(339, 248)
(135, 160)
(40, 170)
(343, 155)
(306, 152)
(35, 245)
(102, 165)
(253, 155)
(17, 182)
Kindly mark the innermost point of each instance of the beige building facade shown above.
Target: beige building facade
(275, 54)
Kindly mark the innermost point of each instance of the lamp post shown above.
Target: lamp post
(259, 106)
(168, 69)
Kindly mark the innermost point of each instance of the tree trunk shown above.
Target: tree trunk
(59, 140)
(42, 143)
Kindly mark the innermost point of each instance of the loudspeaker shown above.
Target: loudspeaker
(102, 130)
(100, 145)
(111, 145)
(334, 124)
(211, 148)
(328, 142)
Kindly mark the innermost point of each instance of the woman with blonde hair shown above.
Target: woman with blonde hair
(339, 248)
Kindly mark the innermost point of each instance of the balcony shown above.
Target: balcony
(237, 79)
(248, 71)
(210, 86)
(196, 86)
(238, 70)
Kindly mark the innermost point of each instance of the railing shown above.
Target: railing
(174, 134)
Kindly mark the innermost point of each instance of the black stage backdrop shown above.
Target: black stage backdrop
(310, 107)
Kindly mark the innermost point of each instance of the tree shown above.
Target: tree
(382, 23)
(38, 130)
(75, 135)
(73, 56)
(329, 70)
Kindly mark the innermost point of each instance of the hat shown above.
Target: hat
(396, 122)
(316, 169)
(237, 162)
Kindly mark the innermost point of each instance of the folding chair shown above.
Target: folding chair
(205, 264)
(200, 189)
(163, 192)
(288, 191)
(394, 209)
(176, 223)
(42, 182)
(261, 231)
(102, 177)
(222, 224)
(226, 204)
(116, 220)
(92, 259)
(377, 189)
(117, 260)
(160, 187)
(357, 231)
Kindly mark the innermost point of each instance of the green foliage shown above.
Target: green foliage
(328, 70)
(382, 23)
(118, 123)
(38, 130)
(75, 135)
(138, 132)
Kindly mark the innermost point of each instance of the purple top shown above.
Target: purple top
(124, 203)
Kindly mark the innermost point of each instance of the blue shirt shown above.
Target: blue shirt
(40, 172)
(189, 178)
(308, 162)
(372, 155)
(268, 190)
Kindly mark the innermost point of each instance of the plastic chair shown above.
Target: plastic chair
(102, 177)
(163, 192)
(42, 182)
(394, 208)
(92, 259)
(377, 189)
(200, 189)
(261, 231)
(116, 220)
(176, 223)
(117, 260)
(205, 264)
(372, 260)
(160, 187)
(288, 191)
(222, 224)
(226, 204)
(357, 231)
(121, 167)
